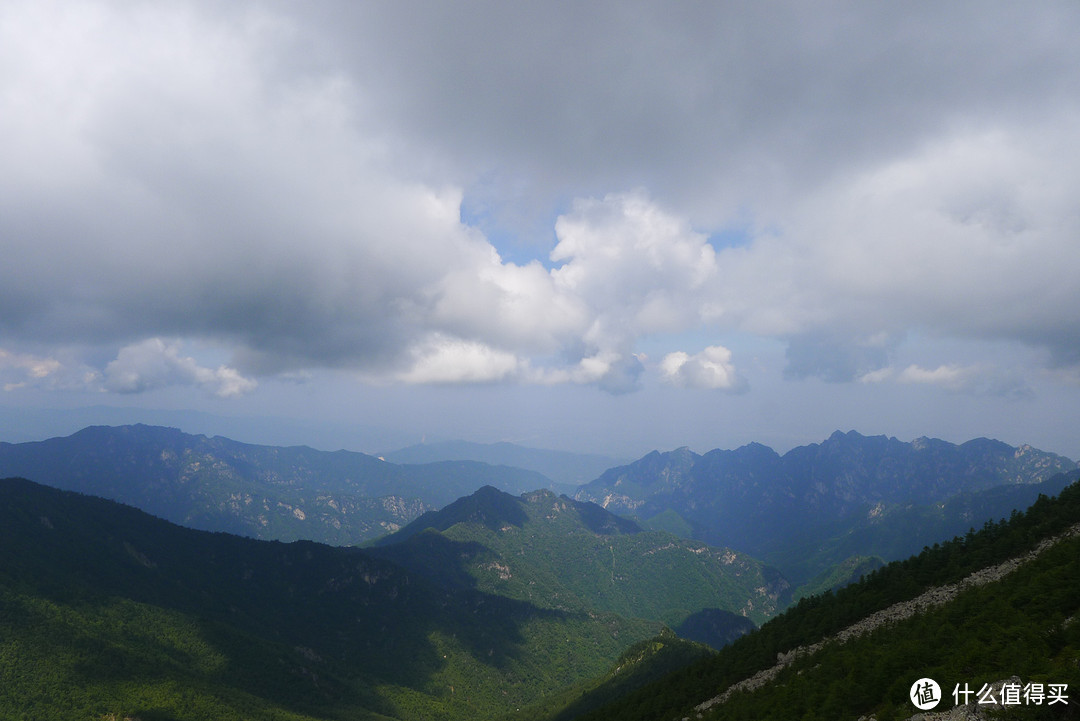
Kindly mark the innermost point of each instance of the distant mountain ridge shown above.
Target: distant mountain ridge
(803, 512)
(571, 469)
(758, 501)
(268, 492)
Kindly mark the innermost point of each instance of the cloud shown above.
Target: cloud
(26, 370)
(19, 369)
(636, 269)
(144, 366)
(614, 373)
(836, 358)
(640, 268)
(32, 366)
(155, 363)
(215, 199)
(710, 369)
(974, 379)
(291, 185)
(451, 360)
(949, 376)
(624, 269)
(714, 107)
(971, 237)
(176, 185)
(501, 303)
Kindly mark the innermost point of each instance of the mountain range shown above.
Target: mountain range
(267, 492)
(800, 510)
(991, 617)
(489, 596)
(107, 610)
(822, 514)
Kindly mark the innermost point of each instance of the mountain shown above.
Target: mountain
(566, 555)
(892, 531)
(994, 610)
(268, 492)
(784, 508)
(568, 469)
(714, 627)
(107, 612)
(643, 663)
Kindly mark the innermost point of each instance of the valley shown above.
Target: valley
(504, 601)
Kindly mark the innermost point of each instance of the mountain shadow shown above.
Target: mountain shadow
(102, 605)
(714, 627)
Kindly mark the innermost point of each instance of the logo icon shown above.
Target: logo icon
(925, 694)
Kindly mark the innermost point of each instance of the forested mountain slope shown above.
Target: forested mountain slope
(997, 605)
(107, 610)
(563, 554)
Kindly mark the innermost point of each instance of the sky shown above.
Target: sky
(605, 226)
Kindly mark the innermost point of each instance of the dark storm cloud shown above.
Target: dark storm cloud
(709, 105)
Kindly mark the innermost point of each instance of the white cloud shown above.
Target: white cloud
(26, 370)
(628, 258)
(880, 375)
(507, 304)
(451, 360)
(950, 376)
(710, 369)
(155, 363)
(33, 366)
(626, 269)
(975, 379)
(972, 236)
(637, 268)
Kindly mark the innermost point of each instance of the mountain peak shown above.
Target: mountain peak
(488, 507)
(839, 435)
